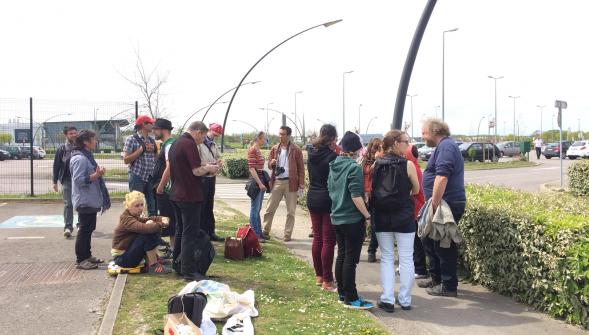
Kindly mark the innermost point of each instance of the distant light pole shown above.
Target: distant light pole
(436, 110)
(412, 124)
(369, 122)
(514, 97)
(479, 129)
(443, 65)
(344, 100)
(359, 116)
(247, 123)
(295, 106)
(541, 110)
(267, 123)
(495, 79)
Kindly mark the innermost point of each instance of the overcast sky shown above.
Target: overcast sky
(75, 50)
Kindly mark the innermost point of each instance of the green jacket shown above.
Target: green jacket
(345, 181)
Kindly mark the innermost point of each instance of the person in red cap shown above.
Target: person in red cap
(209, 154)
(140, 151)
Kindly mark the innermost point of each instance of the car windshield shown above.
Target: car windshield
(578, 144)
(464, 146)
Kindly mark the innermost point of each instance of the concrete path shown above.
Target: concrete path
(475, 311)
(41, 291)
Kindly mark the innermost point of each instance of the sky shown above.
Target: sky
(76, 50)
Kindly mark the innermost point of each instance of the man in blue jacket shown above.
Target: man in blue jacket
(61, 173)
(443, 178)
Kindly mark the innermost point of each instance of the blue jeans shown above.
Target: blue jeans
(145, 187)
(141, 244)
(255, 219)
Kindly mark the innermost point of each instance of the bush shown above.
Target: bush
(235, 167)
(579, 178)
(537, 254)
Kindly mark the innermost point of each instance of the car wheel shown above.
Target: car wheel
(548, 157)
(495, 159)
(503, 154)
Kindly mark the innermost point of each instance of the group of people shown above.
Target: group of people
(175, 184)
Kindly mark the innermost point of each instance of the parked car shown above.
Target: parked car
(4, 155)
(473, 151)
(553, 149)
(419, 145)
(509, 148)
(15, 152)
(40, 152)
(425, 152)
(578, 149)
(36, 153)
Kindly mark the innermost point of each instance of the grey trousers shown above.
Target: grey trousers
(68, 207)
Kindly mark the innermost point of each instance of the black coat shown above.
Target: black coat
(318, 166)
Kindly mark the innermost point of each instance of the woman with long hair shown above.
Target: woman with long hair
(393, 182)
(255, 162)
(319, 204)
(373, 151)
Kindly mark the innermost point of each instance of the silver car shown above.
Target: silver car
(509, 148)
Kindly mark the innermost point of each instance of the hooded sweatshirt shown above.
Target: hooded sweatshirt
(345, 181)
(318, 166)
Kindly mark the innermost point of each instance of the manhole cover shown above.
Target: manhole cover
(22, 274)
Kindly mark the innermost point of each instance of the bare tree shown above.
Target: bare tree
(149, 83)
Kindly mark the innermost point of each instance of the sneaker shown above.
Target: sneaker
(441, 291)
(169, 254)
(341, 298)
(311, 235)
(329, 287)
(427, 283)
(86, 265)
(287, 239)
(318, 280)
(405, 308)
(266, 235)
(95, 260)
(385, 306)
(418, 276)
(67, 233)
(262, 240)
(359, 304)
(371, 258)
(164, 261)
(159, 269)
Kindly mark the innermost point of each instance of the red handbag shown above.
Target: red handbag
(251, 244)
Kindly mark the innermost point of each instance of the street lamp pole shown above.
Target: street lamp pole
(369, 122)
(267, 123)
(479, 129)
(224, 94)
(198, 111)
(541, 110)
(295, 105)
(514, 97)
(412, 124)
(359, 111)
(495, 80)
(326, 24)
(344, 100)
(443, 66)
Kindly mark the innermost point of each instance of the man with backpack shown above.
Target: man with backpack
(61, 173)
(162, 130)
(140, 151)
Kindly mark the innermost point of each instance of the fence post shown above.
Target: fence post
(136, 110)
(31, 145)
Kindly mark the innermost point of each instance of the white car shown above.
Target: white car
(39, 152)
(578, 149)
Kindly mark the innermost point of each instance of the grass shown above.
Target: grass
(286, 296)
(473, 166)
(117, 174)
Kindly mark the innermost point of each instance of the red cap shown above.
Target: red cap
(217, 128)
(144, 119)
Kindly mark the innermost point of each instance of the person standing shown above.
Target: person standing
(89, 196)
(443, 178)
(538, 145)
(373, 151)
(288, 176)
(162, 130)
(349, 216)
(319, 205)
(255, 163)
(186, 171)
(209, 154)
(140, 151)
(61, 173)
(393, 182)
(411, 154)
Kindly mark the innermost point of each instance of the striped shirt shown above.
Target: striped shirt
(255, 159)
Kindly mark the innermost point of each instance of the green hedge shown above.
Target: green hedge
(534, 248)
(235, 167)
(579, 178)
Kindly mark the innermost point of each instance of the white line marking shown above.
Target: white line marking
(25, 237)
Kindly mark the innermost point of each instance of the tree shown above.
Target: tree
(149, 84)
(5, 138)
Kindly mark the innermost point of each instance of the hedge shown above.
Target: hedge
(532, 247)
(579, 178)
(234, 167)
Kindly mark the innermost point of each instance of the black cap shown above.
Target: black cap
(162, 124)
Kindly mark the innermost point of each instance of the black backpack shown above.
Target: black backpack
(204, 255)
(385, 186)
(191, 304)
(160, 166)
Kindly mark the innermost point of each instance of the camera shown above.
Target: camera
(278, 170)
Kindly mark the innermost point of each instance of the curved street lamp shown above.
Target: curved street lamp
(327, 24)
(193, 114)
(222, 95)
(246, 123)
(286, 116)
(479, 129)
(369, 122)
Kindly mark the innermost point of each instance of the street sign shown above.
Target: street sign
(559, 118)
(560, 104)
(22, 135)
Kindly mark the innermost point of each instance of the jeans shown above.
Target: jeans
(443, 262)
(145, 187)
(166, 209)
(255, 219)
(349, 239)
(323, 245)
(386, 240)
(68, 208)
(207, 221)
(187, 228)
(419, 256)
(538, 152)
(136, 251)
(84, 236)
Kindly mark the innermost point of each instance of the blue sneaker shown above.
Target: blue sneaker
(341, 298)
(359, 304)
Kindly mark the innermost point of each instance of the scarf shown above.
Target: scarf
(67, 152)
(103, 189)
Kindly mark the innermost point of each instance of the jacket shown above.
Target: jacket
(128, 228)
(209, 154)
(86, 194)
(61, 169)
(440, 226)
(318, 167)
(345, 181)
(296, 166)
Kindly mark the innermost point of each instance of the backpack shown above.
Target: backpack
(204, 255)
(385, 187)
(251, 245)
(160, 166)
(191, 304)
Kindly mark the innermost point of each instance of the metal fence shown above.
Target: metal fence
(32, 129)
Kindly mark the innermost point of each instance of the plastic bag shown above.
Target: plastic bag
(239, 324)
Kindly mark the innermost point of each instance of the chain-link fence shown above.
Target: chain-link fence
(31, 130)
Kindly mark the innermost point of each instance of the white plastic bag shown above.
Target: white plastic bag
(239, 324)
(207, 326)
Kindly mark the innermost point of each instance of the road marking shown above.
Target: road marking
(25, 237)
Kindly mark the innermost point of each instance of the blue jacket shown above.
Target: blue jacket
(86, 194)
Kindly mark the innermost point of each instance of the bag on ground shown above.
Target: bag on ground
(204, 254)
(180, 324)
(238, 324)
(251, 244)
(192, 304)
(234, 249)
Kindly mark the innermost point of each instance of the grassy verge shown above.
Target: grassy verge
(473, 166)
(117, 174)
(286, 297)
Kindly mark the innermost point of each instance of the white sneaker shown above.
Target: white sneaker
(67, 233)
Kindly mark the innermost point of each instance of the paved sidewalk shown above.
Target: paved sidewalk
(475, 311)
(41, 291)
